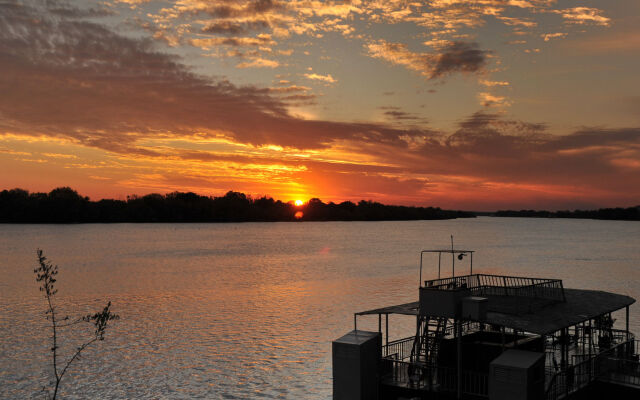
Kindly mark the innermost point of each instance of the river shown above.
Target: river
(243, 311)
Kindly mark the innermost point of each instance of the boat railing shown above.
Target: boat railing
(576, 376)
(434, 378)
(500, 285)
(398, 349)
(624, 371)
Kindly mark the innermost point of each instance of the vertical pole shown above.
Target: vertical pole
(420, 285)
(453, 259)
(379, 323)
(416, 354)
(386, 317)
(439, 258)
(590, 337)
(626, 311)
(591, 363)
(471, 263)
(563, 347)
(458, 328)
(355, 322)
(567, 349)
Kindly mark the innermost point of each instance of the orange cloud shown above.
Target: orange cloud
(584, 15)
(324, 78)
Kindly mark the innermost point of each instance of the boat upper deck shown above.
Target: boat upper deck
(579, 306)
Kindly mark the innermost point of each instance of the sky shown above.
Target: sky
(476, 105)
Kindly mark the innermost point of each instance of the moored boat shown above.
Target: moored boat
(485, 336)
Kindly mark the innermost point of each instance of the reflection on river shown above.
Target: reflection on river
(249, 310)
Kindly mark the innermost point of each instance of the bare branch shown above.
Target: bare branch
(45, 274)
(76, 355)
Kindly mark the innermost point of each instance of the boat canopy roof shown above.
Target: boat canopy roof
(580, 305)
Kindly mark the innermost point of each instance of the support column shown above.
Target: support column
(566, 347)
(626, 311)
(386, 317)
(590, 337)
(591, 363)
(458, 329)
(563, 348)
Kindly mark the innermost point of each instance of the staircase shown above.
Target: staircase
(430, 332)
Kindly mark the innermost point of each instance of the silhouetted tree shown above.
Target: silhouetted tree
(65, 205)
(46, 274)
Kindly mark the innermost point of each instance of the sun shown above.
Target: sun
(298, 203)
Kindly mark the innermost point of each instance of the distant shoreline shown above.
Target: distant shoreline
(610, 214)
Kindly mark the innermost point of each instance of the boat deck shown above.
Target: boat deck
(580, 306)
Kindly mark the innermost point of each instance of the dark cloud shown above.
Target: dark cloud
(77, 79)
(459, 56)
(64, 9)
(598, 137)
(396, 113)
(234, 27)
(400, 115)
(456, 56)
(300, 97)
(262, 6)
(247, 9)
(493, 148)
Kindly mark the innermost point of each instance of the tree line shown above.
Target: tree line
(65, 205)
(626, 214)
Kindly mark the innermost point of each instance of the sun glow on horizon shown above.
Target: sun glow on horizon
(298, 203)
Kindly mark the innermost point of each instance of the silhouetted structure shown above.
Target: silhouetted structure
(65, 205)
(481, 336)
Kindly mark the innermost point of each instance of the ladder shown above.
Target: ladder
(430, 332)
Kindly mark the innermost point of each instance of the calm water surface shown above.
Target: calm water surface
(243, 311)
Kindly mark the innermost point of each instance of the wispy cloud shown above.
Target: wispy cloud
(259, 63)
(584, 15)
(492, 100)
(324, 78)
(491, 83)
(549, 36)
(208, 43)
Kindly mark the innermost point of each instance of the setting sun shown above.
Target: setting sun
(298, 203)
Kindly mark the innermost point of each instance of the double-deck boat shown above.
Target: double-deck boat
(482, 336)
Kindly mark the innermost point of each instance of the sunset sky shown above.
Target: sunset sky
(477, 105)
